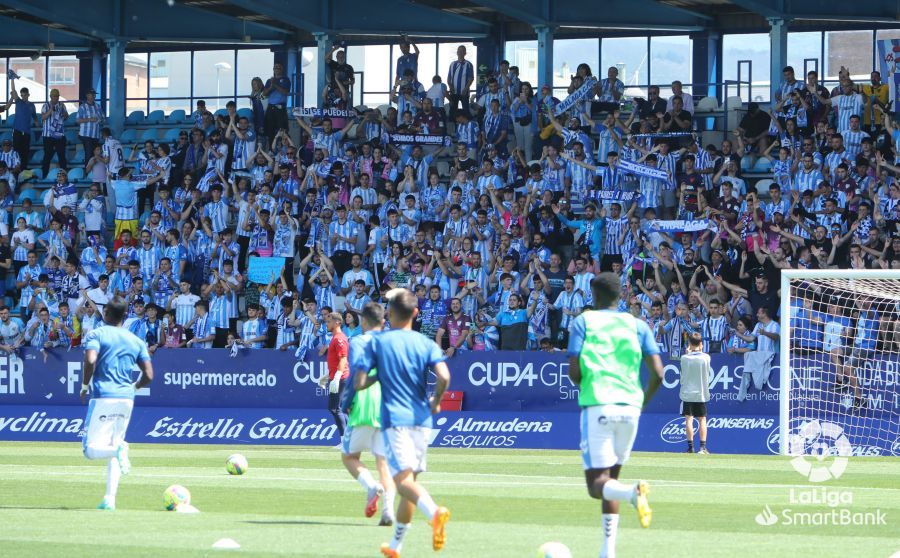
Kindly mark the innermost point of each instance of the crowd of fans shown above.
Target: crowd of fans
(498, 229)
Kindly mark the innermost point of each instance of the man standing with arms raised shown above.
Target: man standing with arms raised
(401, 359)
(110, 354)
(605, 352)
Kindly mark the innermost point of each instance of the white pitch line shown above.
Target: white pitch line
(523, 481)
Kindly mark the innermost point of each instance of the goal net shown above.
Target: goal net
(840, 361)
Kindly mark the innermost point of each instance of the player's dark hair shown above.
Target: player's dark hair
(372, 314)
(115, 310)
(695, 340)
(403, 304)
(605, 288)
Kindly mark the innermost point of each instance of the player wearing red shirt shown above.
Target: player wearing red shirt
(338, 368)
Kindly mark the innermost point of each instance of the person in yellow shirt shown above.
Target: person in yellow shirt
(876, 94)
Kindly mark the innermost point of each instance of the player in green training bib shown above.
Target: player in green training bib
(606, 349)
(364, 424)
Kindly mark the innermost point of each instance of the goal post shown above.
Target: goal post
(839, 357)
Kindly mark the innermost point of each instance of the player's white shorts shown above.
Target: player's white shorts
(607, 434)
(405, 448)
(357, 439)
(107, 421)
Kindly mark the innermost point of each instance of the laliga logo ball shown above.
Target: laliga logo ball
(176, 495)
(554, 550)
(236, 464)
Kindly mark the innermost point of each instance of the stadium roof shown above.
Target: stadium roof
(86, 25)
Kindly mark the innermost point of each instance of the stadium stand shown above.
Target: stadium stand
(511, 197)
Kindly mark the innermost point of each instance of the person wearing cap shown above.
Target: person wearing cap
(90, 119)
(53, 116)
(24, 119)
(10, 157)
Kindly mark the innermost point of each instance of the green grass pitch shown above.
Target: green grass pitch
(300, 502)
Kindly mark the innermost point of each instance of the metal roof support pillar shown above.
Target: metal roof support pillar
(290, 70)
(323, 42)
(778, 54)
(706, 67)
(545, 56)
(117, 91)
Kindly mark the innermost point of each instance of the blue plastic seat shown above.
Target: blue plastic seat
(171, 135)
(128, 136)
(763, 164)
(27, 193)
(76, 174)
(176, 115)
(148, 135)
(245, 113)
(155, 117)
(136, 117)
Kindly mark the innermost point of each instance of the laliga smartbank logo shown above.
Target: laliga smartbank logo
(813, 444)
(821, 453)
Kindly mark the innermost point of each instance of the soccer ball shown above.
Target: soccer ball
(236, 464)
(554, 550)
(175, 496)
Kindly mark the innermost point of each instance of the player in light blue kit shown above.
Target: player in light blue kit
(110, 355)
(401, 359)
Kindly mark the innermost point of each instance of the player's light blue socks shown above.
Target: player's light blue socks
(400, 530)
(615, 490)
(610, 527)
(427, 505)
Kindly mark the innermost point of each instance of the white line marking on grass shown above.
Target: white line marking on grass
(523, 481)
